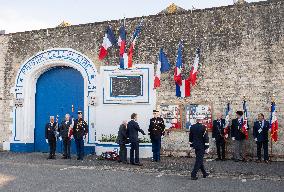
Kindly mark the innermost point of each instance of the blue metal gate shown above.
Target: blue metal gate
(56, 91)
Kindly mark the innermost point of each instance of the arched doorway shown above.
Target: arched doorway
(56, 91)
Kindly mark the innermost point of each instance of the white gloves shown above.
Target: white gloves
(213, 139)
(226, 136)
(233, 138)
(207, 151)
(46, 140)
(71, 137)
(255, 139)
(60, 138)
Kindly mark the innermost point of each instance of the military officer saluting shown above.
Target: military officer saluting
(260, 134)
(156, 130)
(80, 130)
(199, 140)
(218, 136)
(50, 137)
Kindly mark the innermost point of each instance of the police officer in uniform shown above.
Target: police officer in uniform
(64, 134)
(80, 130)
(50, 137)
(238, 137)
(198, 139)
(156, 130)
(218, 136)
(260, 134)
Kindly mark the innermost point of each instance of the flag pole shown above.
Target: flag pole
(245, 151)
(271, 145)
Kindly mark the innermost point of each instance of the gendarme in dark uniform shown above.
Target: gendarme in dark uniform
(260, 134)
(198, 139)
(64, 133)
(80, 130)
(50, 136)
(219, 136)
(156, 130)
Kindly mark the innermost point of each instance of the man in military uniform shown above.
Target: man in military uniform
(238, 137)
(218, 136)
(132, 133)
(198, 139)
(64, 134)
(80, 130)
(50, 137)
(260, 134)
(156, 130)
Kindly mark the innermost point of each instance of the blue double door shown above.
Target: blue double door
(56, 91)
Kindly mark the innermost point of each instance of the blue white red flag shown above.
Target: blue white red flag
(178, 68)
(227, 120)
(245, 120)
(273, 122)
(183, 90)
(194, 69)
(162, 66)
(108, 41)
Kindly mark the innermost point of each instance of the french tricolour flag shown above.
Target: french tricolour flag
(273, 122)
(194, 69)
(178, 68)
(108, 41)
(227, 119)
(132, 45)
(123, 58)
(163, 66)
(245, 120)
(183, 90)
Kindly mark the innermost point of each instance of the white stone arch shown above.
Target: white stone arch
(25, 88)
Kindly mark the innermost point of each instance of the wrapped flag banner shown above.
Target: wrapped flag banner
(108, 41)
(178, 68)
(227, 120)
(194, 69)
(123, 58)
(245, 120)
(162, 66)
(132, 45)
(273, 122)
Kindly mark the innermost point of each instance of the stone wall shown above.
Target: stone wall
(242, 54)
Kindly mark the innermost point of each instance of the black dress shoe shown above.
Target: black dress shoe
(206, 175)
(137, 164)
(64, 157)
(50, 157)
(217, 159)
(194, 178)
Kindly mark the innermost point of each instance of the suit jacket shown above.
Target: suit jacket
(132, 131)
(122, 135)
(261, 131)
(64, 129)
(50, 131)
(156, 127)
(236, 130)
(198, 137)
(218, 129)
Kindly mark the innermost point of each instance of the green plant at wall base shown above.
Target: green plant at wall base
(144, 140)
(108, 138)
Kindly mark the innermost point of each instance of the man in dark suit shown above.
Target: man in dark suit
(218, 136)
(64, 134)
(80, 131)
(198, 139)
(50, 137)
(156, 130)
(238, 137)
(260, 134)
(132, 133)
(122, 141)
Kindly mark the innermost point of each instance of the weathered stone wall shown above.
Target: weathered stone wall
(242, 53)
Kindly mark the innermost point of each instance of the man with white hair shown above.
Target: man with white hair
(122, 141)
(50, 137)
(63, 130)
(218, 135)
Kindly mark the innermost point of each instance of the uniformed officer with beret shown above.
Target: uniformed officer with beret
(50, 137)
(199, 140)
(156, 130)
(80, 130)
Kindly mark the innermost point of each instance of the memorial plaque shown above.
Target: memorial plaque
(126, 86)
(200, 111)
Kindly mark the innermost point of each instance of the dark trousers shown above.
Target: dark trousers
(79, 147)
(156, 148)
(134, 149)
(220, 145)
(66, 147)
(198, 162)
(52, 147)
(122, 153)
(264, 145)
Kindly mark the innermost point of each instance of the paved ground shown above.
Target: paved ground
(32, 172)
